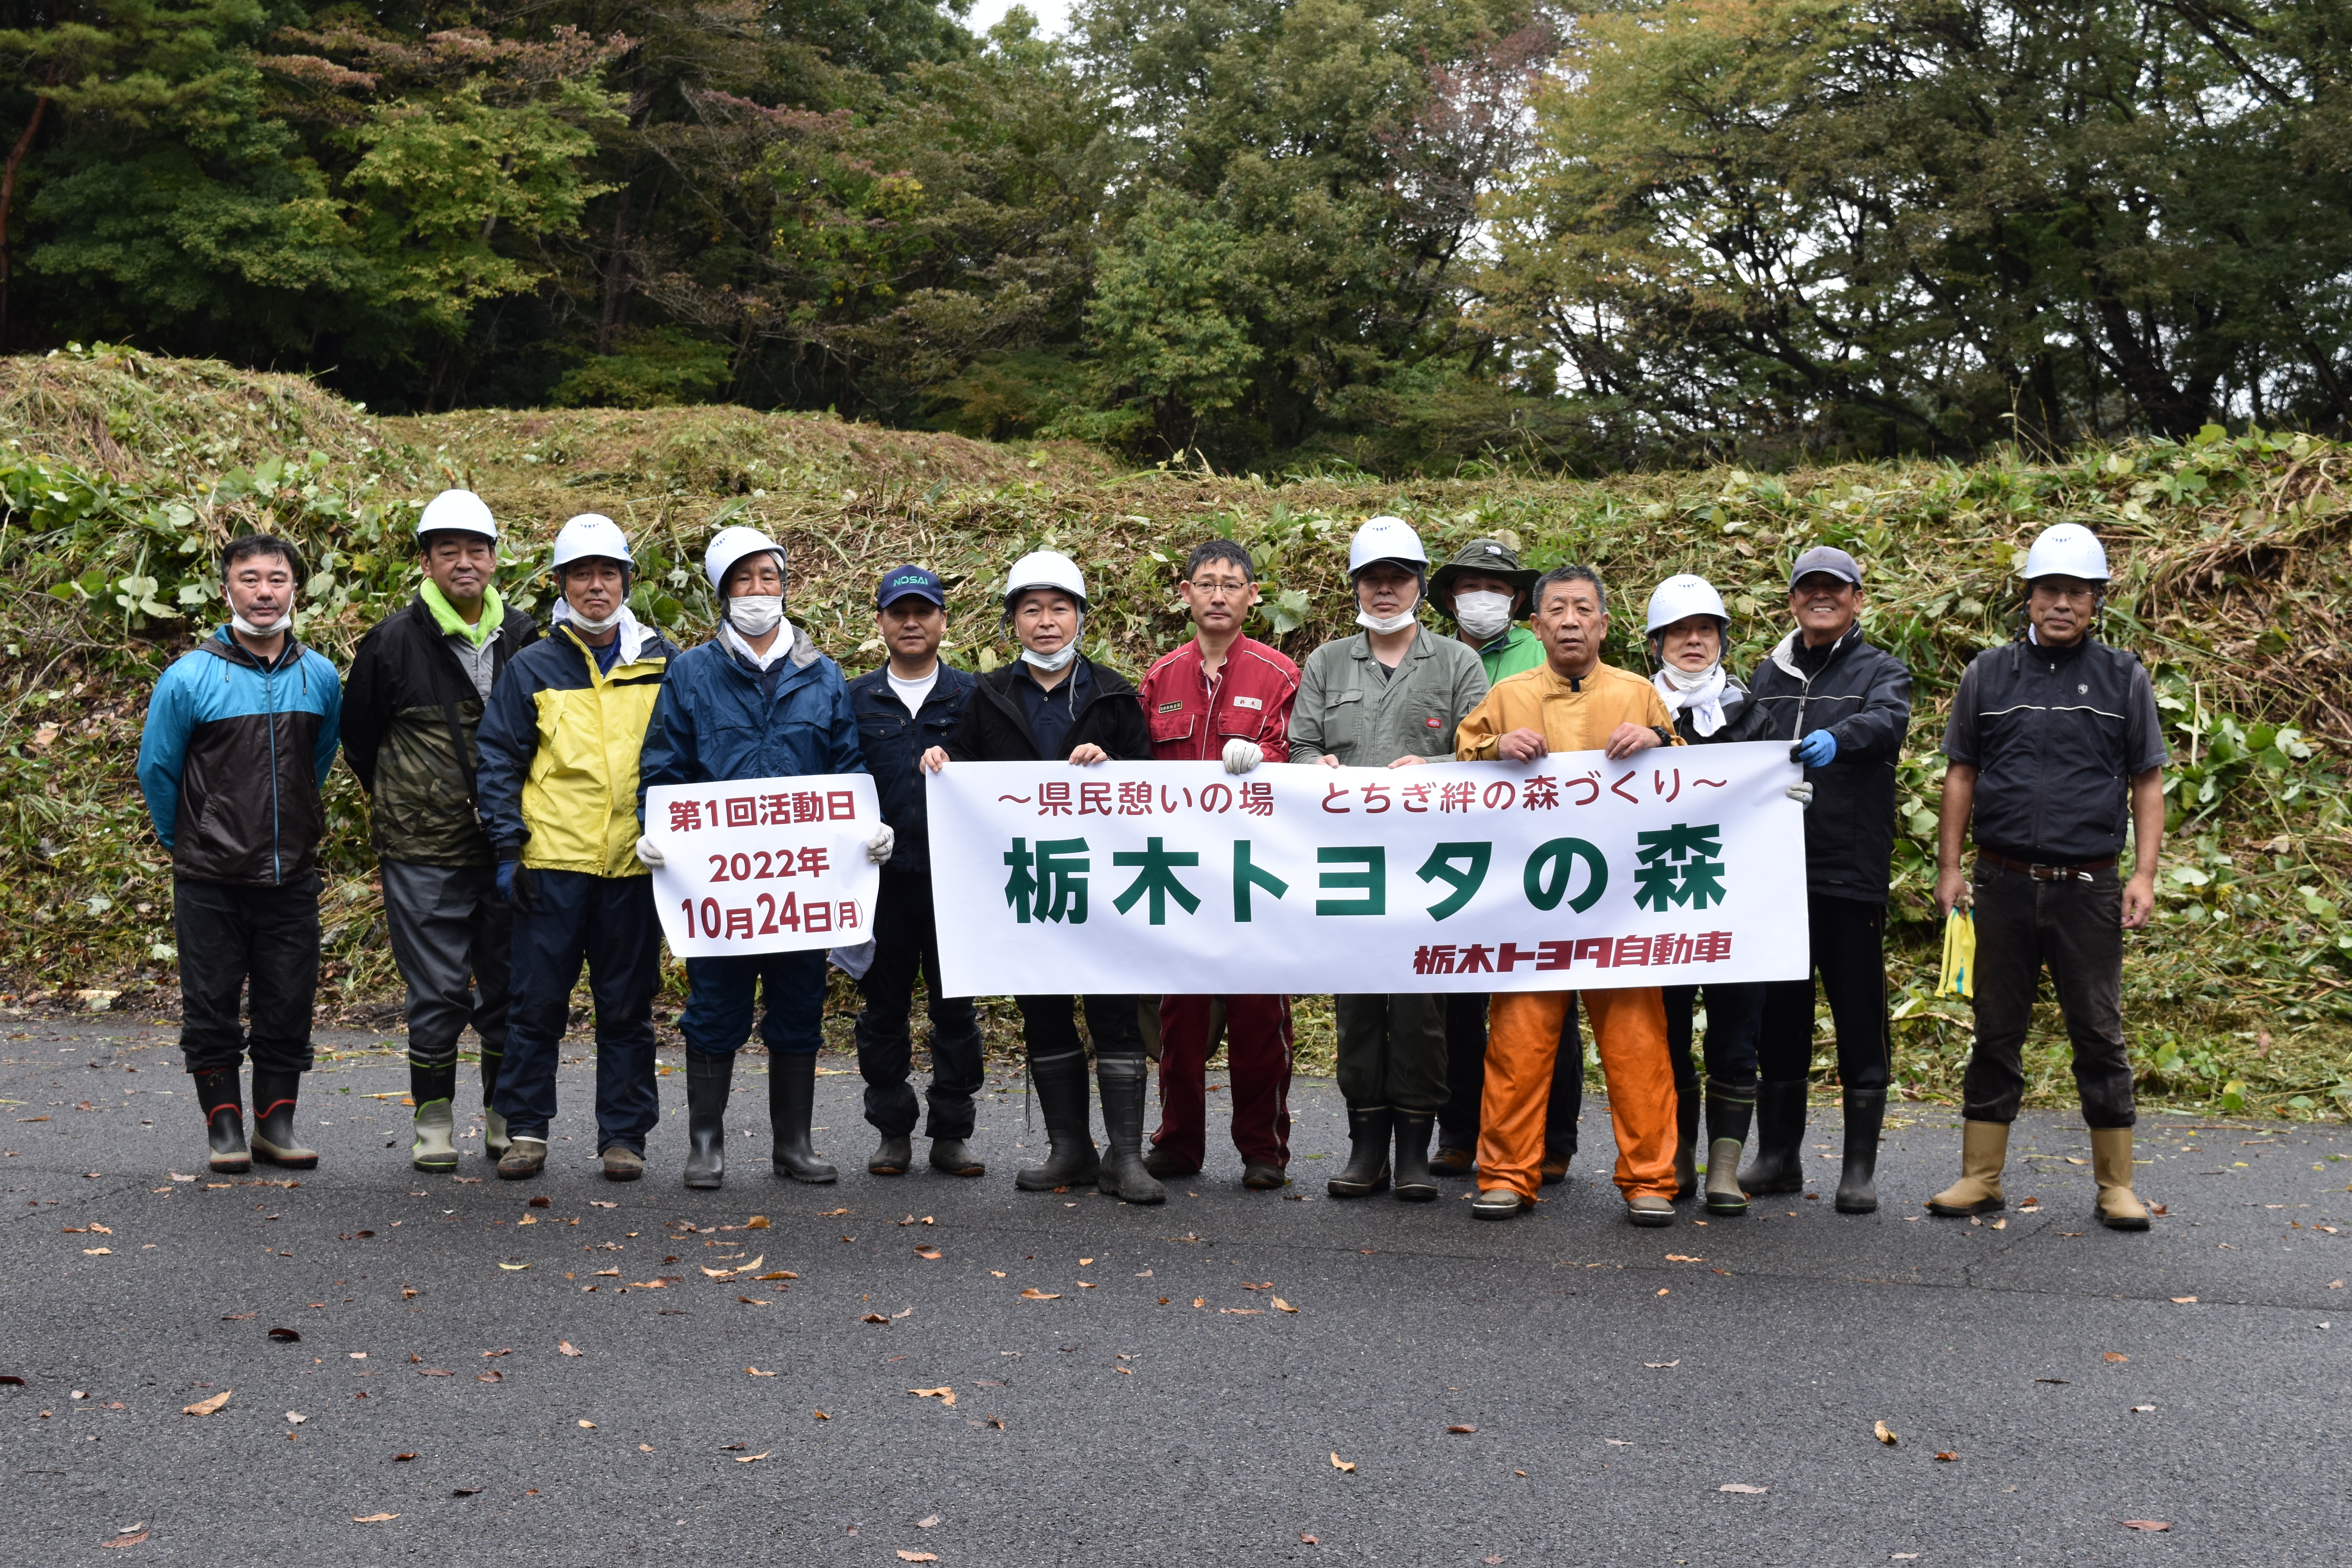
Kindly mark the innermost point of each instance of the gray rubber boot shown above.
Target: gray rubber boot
(1060, 1083)
(1121, 1174)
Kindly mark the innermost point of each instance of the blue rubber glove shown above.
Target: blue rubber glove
(1816, 750)
(506, 880)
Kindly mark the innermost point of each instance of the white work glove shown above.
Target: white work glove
(1802, 793)
(1241, 755)
(650, 853)
(878, 848)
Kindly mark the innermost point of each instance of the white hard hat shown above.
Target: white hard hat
(1045, 569)
(457, 511)
(2067, 550)
(590, 534)
(1681, 597)
(1385, 539)
(730, 545)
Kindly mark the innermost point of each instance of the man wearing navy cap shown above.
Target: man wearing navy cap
(904, 708)
(1845, 705)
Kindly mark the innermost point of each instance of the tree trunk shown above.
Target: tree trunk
(8, 197)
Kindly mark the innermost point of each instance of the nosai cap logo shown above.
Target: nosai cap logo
(909, 583)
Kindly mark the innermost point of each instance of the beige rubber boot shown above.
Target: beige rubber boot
(435, 1148)
(2111, 1166)
(1984, 1149)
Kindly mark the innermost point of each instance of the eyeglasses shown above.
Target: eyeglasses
(1220, 586)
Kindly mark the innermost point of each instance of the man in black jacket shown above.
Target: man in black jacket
(2055, 747)
(904, 708)
(1845, 705)
(1055, 703)
(419, 682)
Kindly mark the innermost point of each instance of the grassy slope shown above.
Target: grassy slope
(2229, 556)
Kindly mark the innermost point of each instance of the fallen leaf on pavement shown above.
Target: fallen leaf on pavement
(906, 1556)
(132, 1538)
(493, 1375)
(777, 1274)
(2184, 1301)
(943, 1395)
(514, 1267)
(488, 1354)
(238, 1316)
(998, 1272)
(284, 1336)
(1743, 1487)
(2142, 1409)
(755, 1372)
(1339, 1464)
(591, 1425)
(822, 1416)
(2114, 1355)
(752, 1458)
(757, 1221)
(295, 1418)
(563, 1347)
(928, 1523)
(1662, 1365)
(874, 1318)
(1306, 1539)
(398, 1457)
(207, 1407)
(929, 1252)
(431, 1371)
(602, 1204)
(1282, 1306)
(465, 1491)
(1947, 1457)
(1247, 1286)
(1462, 1429)
(831, 1213)
(1885, 1434)
(1034, 1294)
(1683, 1257)
(372, 1517)
(902, 1312)
(2143, 1524)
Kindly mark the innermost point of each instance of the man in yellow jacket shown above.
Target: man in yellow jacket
(558, 795)
(1573, 703)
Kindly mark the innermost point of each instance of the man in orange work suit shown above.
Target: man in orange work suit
(1572, 703)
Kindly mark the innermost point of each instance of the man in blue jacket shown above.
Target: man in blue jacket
(239, 736)
(760, 701)
(903, 710)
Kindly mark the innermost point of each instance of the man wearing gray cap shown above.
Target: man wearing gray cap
(1845, 705)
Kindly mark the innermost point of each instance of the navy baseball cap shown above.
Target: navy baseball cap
(1826, 558)
(910, 582)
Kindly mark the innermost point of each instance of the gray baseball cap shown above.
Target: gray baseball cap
(1826, 558)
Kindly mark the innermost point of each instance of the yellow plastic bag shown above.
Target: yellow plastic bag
(1959, 954)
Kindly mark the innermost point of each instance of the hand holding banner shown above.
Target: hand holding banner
(1676, 866)
(764, 865)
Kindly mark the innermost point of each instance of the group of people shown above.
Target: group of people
(506, 767)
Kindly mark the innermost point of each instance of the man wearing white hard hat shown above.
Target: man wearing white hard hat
(2057, 752)
(760, 701)
(419, 683)
(1053, 704)
(557, 784)
(1689, 632)
(1388, 697)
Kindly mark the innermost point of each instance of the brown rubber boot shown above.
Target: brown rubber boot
(1984, 1149)
(2111, 1165)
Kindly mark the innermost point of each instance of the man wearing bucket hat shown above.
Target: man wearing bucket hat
(558, 787)
(1484, 590)
(419, 683)
(904, 708)
(2056, 748)
(1052, 704)
(1389, 696)
(758, 702)
(1845, 706)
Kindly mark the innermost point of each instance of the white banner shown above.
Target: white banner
(764, 865)
(1678, 866)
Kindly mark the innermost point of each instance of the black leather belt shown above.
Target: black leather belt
(2040, 873)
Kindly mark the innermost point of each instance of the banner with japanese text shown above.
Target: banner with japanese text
(764, 865)
(1677, 866)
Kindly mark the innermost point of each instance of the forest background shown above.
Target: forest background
(1662, 286)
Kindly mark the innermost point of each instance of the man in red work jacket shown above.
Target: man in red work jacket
(1222, 697)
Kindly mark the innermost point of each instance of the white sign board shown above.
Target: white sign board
(764, 865)
(1674, 867)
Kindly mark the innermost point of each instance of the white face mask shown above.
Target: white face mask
(1050, 661)
(249, 629)
(592, 627)
(1395, 623)
(1482, 615)
(755, 615)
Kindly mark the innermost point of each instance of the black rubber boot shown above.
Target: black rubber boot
(791, 1096)
(222, 1097)
(274, 1099)
(891, 1156)
(1120, 1173)
(953, 1157)
(1687, 1109)
(1778, 1165)
(494, 1126)
(1729, 1111)
(1866, 1113)
(1414, 1181)
(707, 1080)
(1060, 1085)
(1368, 1157)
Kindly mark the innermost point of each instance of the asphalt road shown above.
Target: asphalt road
(2045, 1378)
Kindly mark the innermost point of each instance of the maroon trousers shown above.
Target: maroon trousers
(1258, 1049)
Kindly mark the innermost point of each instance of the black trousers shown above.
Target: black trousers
(905, 944)
(1049, 1025)
(1849, 942)
(452, 938)
(1735, 1017)
(608, 924)
(238, 941)
(1465, 1077)
(2076, 929)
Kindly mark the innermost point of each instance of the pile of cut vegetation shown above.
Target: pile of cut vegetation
(123, 474)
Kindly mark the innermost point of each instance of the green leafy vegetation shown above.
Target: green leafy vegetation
(122, 474)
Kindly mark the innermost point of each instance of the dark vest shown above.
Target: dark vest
(2053, 775)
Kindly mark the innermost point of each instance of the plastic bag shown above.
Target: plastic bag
(1960, 977)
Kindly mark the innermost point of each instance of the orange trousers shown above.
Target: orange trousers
(1522, 1039)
